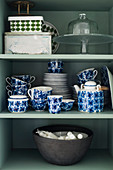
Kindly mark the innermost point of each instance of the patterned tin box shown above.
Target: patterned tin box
(26, 23)
(27, 43)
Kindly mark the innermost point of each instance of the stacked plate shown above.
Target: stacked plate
(107, 81)
(58, 82)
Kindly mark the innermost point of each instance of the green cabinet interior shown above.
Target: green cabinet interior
(17, 148)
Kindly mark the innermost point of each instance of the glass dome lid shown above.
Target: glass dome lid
(82, 25)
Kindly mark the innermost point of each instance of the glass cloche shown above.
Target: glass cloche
(82, 25)
(84, 32)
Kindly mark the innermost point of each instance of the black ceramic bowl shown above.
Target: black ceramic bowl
(63, 152)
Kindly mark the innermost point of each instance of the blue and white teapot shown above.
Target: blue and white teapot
(90, 97)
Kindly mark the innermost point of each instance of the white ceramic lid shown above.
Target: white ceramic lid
(90, 83)
(18, 97)
(17, 18)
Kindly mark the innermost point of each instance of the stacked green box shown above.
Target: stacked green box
(26, 23)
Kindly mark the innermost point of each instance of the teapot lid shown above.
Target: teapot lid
(90, 83)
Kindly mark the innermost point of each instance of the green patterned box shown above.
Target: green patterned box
(26, 23)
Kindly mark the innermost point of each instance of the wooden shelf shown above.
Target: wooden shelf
(69, 57)
(63, 115)
(23, 159)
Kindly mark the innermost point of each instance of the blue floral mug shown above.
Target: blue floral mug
(26, 78)
(40, 92)
(15, 81)
(87, 75)
(54, 103)
(18, 89)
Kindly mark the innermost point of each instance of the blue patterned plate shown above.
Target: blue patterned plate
(104, 76)
(110, 76)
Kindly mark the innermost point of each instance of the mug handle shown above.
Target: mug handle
(32, 79)
(29, 93)
(8, 80)
(29, 85)
(9, 93)
(95, 72)
(8, 88)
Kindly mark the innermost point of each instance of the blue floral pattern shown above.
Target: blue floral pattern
(17, 105)
(91, 101)
(104, 76)
(19, 89)
(86, 75)
(38, 105)
(54, 104)
(66, 106)
(40, 95)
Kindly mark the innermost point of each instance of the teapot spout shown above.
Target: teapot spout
(76, 88)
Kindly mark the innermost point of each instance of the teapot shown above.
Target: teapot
(90, 97)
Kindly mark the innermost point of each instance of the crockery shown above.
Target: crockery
(38, 105)
(55, 64)
(110, 76)
(18, 89)
(64, 79)
(18, 97)
(58, 82)
(55, 70)
(87, 75)
(17, 105)
(26, 78)
(90, 97)
(48, 27)
(104, 76)
(39, 92)
(53, 76)
(67, 104)
(106, 82)
(54, 103)
(15, 81)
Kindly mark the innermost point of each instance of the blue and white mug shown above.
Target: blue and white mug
(15, 81)
(39, 92)
(18, 89)
(87, 75)
(54, 103)
(55, 64)
(39, 105)
(26, 78)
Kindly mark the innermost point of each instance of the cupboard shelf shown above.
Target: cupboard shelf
(69, 57)
(28, 159)
(63, 115)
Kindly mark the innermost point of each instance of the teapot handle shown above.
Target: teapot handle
(98, 87)
(82, 86)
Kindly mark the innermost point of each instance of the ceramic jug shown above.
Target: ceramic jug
(90, 97)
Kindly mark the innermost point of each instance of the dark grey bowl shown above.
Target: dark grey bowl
(63, 152)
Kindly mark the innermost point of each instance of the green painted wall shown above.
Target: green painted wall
(3, 22)
(5, 140)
